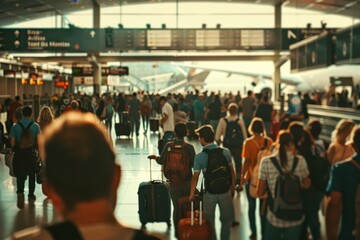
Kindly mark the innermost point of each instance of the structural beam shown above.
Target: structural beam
(96, 65)
(277, 74)
(148, 58)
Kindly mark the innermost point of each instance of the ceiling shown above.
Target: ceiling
(12, 11)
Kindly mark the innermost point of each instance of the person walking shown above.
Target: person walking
(219, 188)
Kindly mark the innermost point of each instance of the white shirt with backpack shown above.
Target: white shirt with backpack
(269, 173)
(221, 128)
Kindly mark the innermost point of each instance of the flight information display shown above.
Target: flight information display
(158, 38)
(119, 40)
(207, 38)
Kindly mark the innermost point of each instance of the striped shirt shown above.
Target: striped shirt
(269, 173)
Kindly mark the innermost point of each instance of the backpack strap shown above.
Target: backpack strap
(296, 161)
(28, 126)
(277, 165)
(265, 144)
(22, 126)
(64, 230)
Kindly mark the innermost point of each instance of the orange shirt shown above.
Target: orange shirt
(250, 151)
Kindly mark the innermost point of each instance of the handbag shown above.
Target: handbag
(9, 157)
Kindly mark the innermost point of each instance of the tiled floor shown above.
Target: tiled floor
(132, 154)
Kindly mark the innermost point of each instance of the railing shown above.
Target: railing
(329, 117)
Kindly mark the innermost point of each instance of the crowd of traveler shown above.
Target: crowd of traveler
(298, 174)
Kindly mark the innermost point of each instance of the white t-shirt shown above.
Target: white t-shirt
(169, 124)
(88, 232)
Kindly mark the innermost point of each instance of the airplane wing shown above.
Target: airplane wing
(289, 80)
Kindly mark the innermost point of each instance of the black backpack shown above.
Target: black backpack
(233, 134)
(217, 175)
(286, 204)
(319, 169)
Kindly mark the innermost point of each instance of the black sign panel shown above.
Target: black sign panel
(82, 71)
(51, 40)
(2, 42)
(110, 39)
(115, 71)
(315, 52)
(348, 45)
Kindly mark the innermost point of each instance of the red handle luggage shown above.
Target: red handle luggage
(194, 228)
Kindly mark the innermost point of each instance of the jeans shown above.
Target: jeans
(247, 121)
(135, 120)
(312, 201)
(20, 182)
(236, 154)
(177, 192)
(288, 233)
(214, 124)
(145, 121)
(251, 213)
(226, 212)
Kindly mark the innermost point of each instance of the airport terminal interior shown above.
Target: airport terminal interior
(54, 51)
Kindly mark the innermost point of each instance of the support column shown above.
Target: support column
(277, 75)
(96, 67)
(97, 78)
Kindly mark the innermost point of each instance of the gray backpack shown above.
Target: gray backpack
(286, 204)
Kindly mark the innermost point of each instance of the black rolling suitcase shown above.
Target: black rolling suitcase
(122, 128)
(191, 126)
(154, 202)
(154, 124)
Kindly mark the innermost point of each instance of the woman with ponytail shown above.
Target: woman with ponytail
(251, 148)
(277, 228)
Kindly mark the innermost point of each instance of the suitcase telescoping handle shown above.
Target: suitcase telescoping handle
(192, 213)
(162, 178)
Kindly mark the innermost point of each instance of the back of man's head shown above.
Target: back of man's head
(249, 93)
(79, 158)
(17, 98)
(180, 130)
(206, 132)
(26, 111)
(162, 98)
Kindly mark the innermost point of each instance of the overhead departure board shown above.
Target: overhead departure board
(207, 38)
(119, 40)
(252, 38)
(158, 38)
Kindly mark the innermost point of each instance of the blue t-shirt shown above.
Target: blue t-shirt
(344, 178)
(16, 129)
(201, 161)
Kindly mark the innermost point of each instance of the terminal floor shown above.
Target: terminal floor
(132, 155)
